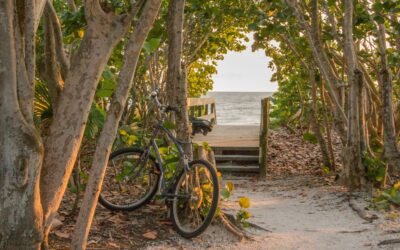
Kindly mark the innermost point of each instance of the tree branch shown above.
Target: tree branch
(321, 58)
(58, 38)
(107, 136)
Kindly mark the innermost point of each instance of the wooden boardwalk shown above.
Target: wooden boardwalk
(239, 144)
(231, 136)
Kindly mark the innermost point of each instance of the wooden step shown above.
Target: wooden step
(235, 148)
(236, 157)
(236, 168)
(237, 152)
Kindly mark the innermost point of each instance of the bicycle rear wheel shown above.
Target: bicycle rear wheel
(128, 183)
(196, 201)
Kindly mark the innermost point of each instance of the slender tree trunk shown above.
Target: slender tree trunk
(176, 75)
(21, 150)
(315, 123)
(392, 153)
(321, 58)
(362, 124)
(107, 136)
(353, 168)
(52, 70)
(328, 127)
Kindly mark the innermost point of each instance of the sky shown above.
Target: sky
(244, 71)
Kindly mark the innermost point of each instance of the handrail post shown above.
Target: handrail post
(264, 125)
(214, 111)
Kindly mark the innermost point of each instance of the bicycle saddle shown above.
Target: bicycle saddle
(200, 126)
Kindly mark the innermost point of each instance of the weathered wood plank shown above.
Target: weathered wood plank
(200, 101)
(246, 136)
(236, 157)
(235, 148)
(235, 168)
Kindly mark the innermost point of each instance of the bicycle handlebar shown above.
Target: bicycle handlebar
(163, 108)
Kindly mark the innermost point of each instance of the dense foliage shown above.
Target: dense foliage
(212, 28)
(309, 46)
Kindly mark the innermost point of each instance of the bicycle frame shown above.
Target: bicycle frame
(163, 188)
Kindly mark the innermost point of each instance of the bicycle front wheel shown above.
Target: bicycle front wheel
(196, 199)
(129, 183)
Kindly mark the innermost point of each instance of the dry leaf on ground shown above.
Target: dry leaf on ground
(151, 235)
(62, 235)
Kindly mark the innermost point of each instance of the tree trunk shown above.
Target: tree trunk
(353, 168)
(176, 75)
(327, 127)
(385, 80)
(107, 136)
(315, 123)
(52, 69)
(21, 150)
(104, 31)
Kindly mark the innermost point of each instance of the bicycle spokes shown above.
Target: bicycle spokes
(191, 212)
(128, 180)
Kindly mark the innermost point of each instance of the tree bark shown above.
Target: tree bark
(315, 123)
(353, 168)
(107, 136)
(52, 69)
(25, 56)
(327, 127)
(176, 74)
(21, 150)
(62, 145)
(391, 153)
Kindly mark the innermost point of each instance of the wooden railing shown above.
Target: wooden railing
(264, 125)
(203, 108)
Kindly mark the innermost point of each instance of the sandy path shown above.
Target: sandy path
(302, 207)
(300, 215)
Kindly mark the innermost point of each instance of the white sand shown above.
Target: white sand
(299, 216)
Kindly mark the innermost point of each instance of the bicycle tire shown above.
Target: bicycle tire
(148, 196)
(212, 209)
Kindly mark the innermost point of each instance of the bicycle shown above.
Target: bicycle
(135, 176)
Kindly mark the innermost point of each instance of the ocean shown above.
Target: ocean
(238, 108)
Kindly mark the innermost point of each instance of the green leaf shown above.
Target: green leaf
(253, 26)
(95, 121)
(310, 137)
(379, 19)
(225, 193)
(151, 45)
(128, 164)
(169, 125)
(174, 159)
(104, 93)
(163, 150)
(326, 170)
(206, 146)
(380, 174)
(378, 7)
(107, 74)
(108, 84)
